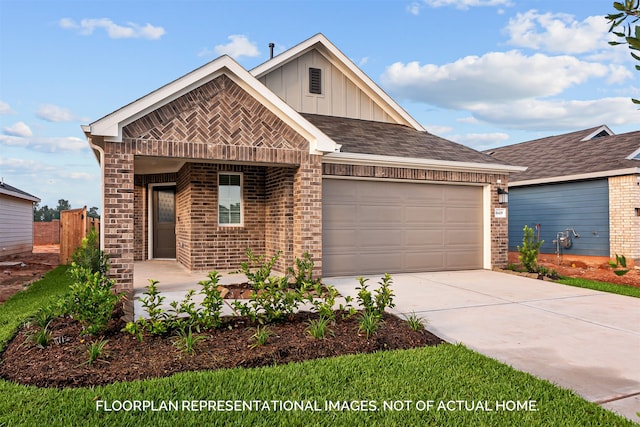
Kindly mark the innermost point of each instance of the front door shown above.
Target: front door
(164, 222)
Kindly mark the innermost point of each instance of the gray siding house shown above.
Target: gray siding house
(581, 192)
(16, 220)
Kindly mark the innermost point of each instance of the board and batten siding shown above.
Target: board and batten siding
(581, 205)
(340, 96)
(16, 225)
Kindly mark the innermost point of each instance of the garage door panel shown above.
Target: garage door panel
(467, 237)
(423, 214)
(423, 261)
(424, 237)
(463, 260)
(380, 239)
(372, 227)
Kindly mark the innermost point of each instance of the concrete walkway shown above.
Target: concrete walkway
(584, 340)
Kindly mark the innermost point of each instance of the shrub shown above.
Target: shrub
(270, 301)
(89, 255)
(319, 328)
(620, 265)
(369, 323)
(529, 250)
(381, 299)
(91, 300)
(212, 302)
(186, 341)
(260, 337)
(151, 302)
(303, 273)
(184, 314)
(95, 350)
(42, 337)
(415, 322)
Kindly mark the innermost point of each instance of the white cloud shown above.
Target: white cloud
(534, 114)
(80, 176)
(129, 30)
(414, 8)
(23, 166)
(54, 113)
(239, 46)
(558, 32)
(438, 130)
(469, 120)
(466, 4)
(5, 109)
(480, 141)
(495, 77)
(363, 61)
(45, 144)
(19, 129)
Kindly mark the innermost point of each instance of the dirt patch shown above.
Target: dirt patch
(581, 269)
(63, 363)
(17, 272)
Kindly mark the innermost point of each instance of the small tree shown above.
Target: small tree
(623, 25)
(529, 250)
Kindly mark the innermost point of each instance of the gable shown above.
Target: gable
(219, 112)
(347, 91)
(339, 97)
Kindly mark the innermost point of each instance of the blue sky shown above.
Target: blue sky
(483, 73)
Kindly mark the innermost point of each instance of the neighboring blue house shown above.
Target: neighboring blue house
(584, 183)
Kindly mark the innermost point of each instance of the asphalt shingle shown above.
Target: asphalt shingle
(568, 154)
(388, 139)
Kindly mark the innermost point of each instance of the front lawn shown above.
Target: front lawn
(614, 288)
(443, 385)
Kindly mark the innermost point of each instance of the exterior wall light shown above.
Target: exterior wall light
(503, 196)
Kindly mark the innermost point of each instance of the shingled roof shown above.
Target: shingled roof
(570, 155)
(16, 192)
(388, 139)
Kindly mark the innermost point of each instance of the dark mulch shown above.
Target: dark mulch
(63, 362)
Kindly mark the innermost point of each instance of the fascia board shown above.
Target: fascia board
(342, 62)
(410, 162)
(597, 131)
(576, 177)
(18, 195)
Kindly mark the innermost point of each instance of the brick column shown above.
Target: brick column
(307, 210)
(624, 219)
(499, 226)
(118, 213)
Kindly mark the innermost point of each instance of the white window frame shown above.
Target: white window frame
(241, 223)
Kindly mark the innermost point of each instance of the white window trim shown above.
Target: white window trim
(241, 224)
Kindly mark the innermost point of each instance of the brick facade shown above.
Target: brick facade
(624, 217)
(216, 127)
(499, 226)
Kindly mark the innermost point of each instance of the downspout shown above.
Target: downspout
(100, 150)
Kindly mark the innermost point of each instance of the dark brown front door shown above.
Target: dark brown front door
(164, 222)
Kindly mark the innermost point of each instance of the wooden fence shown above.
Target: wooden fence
(74, 226)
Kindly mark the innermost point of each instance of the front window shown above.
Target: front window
(229, 199)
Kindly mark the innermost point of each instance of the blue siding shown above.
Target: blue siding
(582, 205)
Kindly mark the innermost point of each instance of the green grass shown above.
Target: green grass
(25, 304)
(613, 288)
(439, 374)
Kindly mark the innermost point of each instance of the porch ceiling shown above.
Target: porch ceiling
(147, 165)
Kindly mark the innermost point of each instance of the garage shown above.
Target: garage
(375, 227)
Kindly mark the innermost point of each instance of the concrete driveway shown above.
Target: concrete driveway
(584, 340)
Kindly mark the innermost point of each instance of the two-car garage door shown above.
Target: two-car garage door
(372, 227)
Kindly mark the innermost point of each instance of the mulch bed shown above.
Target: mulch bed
(63, 363)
